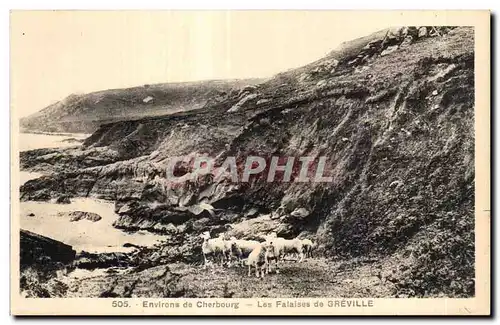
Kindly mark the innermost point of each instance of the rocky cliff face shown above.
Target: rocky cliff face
(394, 115)
(37, 249)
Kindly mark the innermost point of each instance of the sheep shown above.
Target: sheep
(241, 249)
(226, 252)
(212, 247)
(308, 247)
(258, 259)
(271, 255)
(288, 246)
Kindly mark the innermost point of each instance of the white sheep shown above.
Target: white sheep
(226, 252)
(212, 247)
(288, 246)
(258, 259)
(271, 255)
(241, 249)
(308, 247)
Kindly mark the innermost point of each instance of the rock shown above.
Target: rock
(389, 50)
(353, 62)
(170, 228)
(147, 99)
(263, 101)
(321, 83)
(35, 248)
(300, 213)
(126, 245)
(187, 200)
(200, 224)
(395, 33)
(442, 74)
(124, 209)
(256, 228)
(407, 41)
(64, 199)
(252, 212)
(247, 89)
(332, 66)
(201, 208)
(80, 215)
(361, 69)
(434, 93)
(410, 31)
(242, 102)
(422, 32)
(85, 260)
(72, 140)
(374, 43)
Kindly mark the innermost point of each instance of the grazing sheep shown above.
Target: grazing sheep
(307, 246)
(241, 248)
(213, 247)
(288, 246)
(226, 252)
(271, 255)
(258, 259)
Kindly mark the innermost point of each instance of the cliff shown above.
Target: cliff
(84, 113)
(393, 115)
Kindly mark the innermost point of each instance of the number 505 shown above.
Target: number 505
(117, 303)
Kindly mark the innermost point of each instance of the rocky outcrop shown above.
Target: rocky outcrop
(80, 215)
(63, 199)
(38, 249)
(85, 260)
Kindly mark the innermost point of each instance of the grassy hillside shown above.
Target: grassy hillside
(84, 113)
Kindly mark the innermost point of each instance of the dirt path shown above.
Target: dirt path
(311, 278)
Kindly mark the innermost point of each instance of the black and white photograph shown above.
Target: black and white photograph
(265, 155)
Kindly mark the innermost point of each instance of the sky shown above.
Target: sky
(57, 53)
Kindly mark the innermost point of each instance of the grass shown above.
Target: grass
(317, 277)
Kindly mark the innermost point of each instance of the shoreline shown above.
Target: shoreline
(64, 134)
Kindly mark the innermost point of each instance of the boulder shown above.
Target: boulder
(256, 228)
(422, 32)
(80, 215)
(124, 209)
(147, 99)
(300, 213)
(389, 50)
